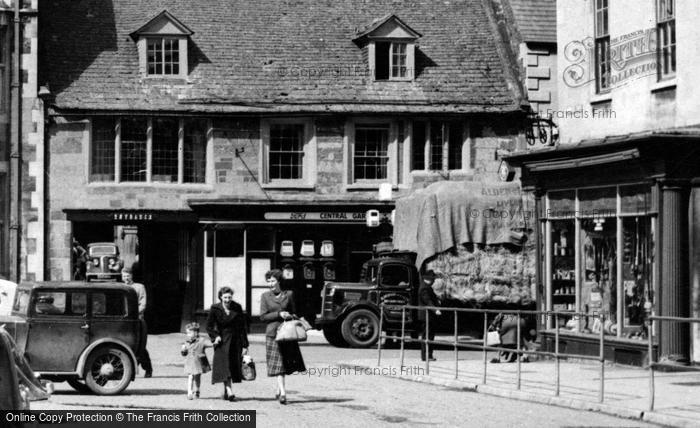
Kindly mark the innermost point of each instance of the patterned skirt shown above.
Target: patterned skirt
(283, 358)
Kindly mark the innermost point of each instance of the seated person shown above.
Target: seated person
(44, 305)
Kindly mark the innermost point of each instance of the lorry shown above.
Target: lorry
(350, 311)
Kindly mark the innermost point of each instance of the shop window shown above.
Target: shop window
(133, 148)
(229, 243)
(598, 202)
(165, 150)
(371, 152)
(635, 199)
(260, 239)
(637, 274)
(666, 38)
(563, 268)
(562, 204)
(178, 150)
(599, 274)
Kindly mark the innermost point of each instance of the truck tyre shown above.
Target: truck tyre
(360, 328)
(334, 336)
(108, 370)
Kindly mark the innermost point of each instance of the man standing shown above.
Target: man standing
(143, 357)
(427, 297)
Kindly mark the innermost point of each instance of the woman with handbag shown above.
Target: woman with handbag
(227, 329)
(506, 324)
(283, 358)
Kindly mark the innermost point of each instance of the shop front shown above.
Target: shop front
(613, 244)
(159, 245)
(312, 243)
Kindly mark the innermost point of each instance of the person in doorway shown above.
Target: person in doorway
(80, 258)
(226, 327)
(143, 358)
(283, 358)
(427, 297)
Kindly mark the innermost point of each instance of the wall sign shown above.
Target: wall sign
(329, 216)
(136, 216)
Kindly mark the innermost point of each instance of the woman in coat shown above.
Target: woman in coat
(507, 327)
(227, 329)
(283, 358)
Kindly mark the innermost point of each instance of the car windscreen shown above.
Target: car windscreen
(21, 301)
(109, 304)
(104, 250)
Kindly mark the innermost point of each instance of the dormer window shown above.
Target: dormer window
(162, 47)
(391, 49)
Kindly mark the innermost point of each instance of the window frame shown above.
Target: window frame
(445, 146)
(392, 152)
(601, 31)
(309, 162)
(666, 52)
(117, 175)
(410, 63)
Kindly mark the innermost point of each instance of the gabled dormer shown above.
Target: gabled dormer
(391, 47)
(162, 46)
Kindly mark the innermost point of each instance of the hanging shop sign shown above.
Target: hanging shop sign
(329, 216)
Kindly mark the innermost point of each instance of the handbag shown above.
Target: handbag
(493, 338)
(248, 368)
(291, 331)
(305, 324)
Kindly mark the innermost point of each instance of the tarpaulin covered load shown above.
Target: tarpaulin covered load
(449, 213)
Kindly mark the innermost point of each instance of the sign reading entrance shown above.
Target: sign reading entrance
(316, 216)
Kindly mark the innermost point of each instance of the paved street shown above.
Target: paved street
(328, 395)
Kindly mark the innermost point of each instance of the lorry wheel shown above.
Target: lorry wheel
(334, 337)
(361, 328)
(108, 370)
(78, 385)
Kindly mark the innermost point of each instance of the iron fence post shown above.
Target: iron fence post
(379, 342)
(517, 354)
(403, 333)
(425, 342)
(601, 393)
(486, 328)
(456, 348)
(652, 392)
(556, 355)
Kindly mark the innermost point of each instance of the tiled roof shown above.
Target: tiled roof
(536, 19)
(272, 55)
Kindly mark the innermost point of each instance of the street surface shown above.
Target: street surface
(328, 395)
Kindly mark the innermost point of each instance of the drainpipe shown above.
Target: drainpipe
(16, 150)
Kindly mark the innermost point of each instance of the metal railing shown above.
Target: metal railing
(556, 355)
(652, 363)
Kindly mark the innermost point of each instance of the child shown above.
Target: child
(196, 361)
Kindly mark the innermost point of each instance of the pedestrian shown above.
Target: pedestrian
(283, 358)
(427, 297)
(143, 358)
(196, 361)
(506, 324)
(226, 326)
(80, 258)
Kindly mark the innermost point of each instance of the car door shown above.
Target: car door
(395, 289)
(109, 317)
(58, 330)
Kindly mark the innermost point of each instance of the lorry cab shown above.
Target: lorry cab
(350, 311)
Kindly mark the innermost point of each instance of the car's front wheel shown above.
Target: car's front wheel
(361, 328)
(108, 371)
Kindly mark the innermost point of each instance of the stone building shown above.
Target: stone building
(214, 143)
(21, 127)
(618, 199)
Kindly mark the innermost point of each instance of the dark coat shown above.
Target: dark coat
(270, 308)
(228, 354)
(426, 297)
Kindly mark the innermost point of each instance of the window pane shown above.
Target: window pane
(164, 160)
(195, 162)
(436, 143)
(398, 60)
(418, 146)
(562, 204)
(102, 151)
(455, 146)
(286, 152)
(133, 149)
(229, 243)
(395, 276)
(637, 268)
(635, 199)
(109, 304)
(563, 267)
(371, 154)
(50, 303)
(78, 303)
(154, 56)
(171, 57)
(599, 269)
(381, 60)
(598, 202)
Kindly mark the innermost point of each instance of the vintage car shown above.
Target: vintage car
(103, 262)
(85, 334)
(18, 384)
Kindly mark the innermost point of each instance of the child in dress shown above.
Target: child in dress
(196, 361)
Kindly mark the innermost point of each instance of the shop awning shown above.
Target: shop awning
(449, 213)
